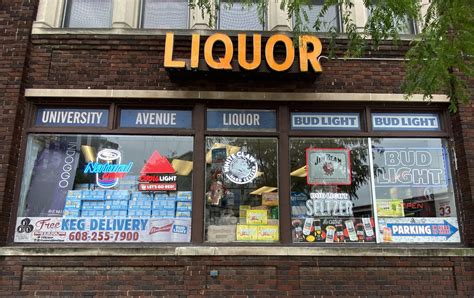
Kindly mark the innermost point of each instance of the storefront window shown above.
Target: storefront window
(241, 189)
(90, 188)
(330, 190)
(414, 191)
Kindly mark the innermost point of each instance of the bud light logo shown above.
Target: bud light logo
(180, 229)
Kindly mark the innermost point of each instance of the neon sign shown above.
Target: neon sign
(108, 169)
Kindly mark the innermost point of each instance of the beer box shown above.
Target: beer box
(267, 233)
(161, 196)
(172, 195)
(92, 213)
(136, 195)
(183, 206)
(115, 213)
(184, 196)
(257, 217)
(74, 194)
(93, 195)
(93, 205)
(224, 233)
(71, 213)
(298, 212)
(246, 233)
(164, 205)
(243, 211)
(140, 204)
(160, 213)
(117, 195)
(183, 214)
(116, 205)
(270, 199)
(72, 203)
(139, 213)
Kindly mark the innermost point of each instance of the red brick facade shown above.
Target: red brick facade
(136, 62)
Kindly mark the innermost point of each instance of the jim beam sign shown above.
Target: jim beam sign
(309, 50)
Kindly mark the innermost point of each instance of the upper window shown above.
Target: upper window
(236, 15)
(405, 25)
(88, 14)
(166, 14)
(309, 14)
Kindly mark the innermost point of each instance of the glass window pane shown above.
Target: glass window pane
(328, 21)
(239, 16)
(414, 191)
(241, 189)
(406, 25)
(106, 189)
(89, 14)
(330, 190)
(166, 14)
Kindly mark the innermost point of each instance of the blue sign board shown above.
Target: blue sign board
(156, 118)
(241, 120)
(325, 121)
(72, 117)
(400, 121)
(444, 230)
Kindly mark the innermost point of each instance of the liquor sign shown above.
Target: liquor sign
(72, 117)
(310, 48)
(411, 167)
(241, 120)
(101, 229)
(392, 121)
(156, 118)
(325, 121)
(419, 229)
(328, 166)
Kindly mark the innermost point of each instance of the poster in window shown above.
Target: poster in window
(328, 166)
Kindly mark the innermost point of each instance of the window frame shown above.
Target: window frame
(199, 132)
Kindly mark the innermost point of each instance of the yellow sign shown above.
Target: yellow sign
(309, 49)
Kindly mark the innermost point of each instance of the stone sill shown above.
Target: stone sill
(269, 251)
(178, 32)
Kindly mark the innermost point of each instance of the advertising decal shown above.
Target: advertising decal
(411, 167)
(54, 229)
(392, 121)
(72, 117)
(330, 230)
(155, 118)
(240, 168)
(157, 174)
(328, 166)
(241, 120)
(326, 121)
(419, 229)
(52, 176)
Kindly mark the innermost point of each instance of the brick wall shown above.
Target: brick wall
(16, 18)
(237, 276)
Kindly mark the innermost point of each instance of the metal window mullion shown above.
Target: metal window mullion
(374, 196)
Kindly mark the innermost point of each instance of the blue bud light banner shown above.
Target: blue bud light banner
(325, 121)
(156, 119)
(400, 121)
(72, 117)
(241, 120)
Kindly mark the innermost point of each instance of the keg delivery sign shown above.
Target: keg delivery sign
(104, 230)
